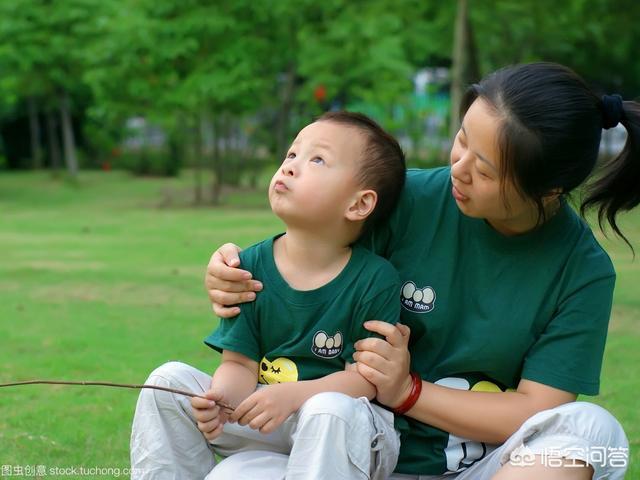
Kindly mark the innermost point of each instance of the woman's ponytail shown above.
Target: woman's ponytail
(617, 187)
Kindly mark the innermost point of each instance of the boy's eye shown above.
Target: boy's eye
(291, 155)
(317, 160)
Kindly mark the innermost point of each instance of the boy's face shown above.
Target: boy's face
(318, 177)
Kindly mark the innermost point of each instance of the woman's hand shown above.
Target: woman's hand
(386, 363)
(227, 284)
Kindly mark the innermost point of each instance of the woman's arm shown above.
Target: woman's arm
(228, 285)
(481, 416)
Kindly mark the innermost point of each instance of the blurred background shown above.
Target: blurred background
(155, 87)
(136, 136)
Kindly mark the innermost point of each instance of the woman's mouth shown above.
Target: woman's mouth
(457, 195)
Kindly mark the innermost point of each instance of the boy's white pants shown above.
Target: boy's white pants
(336, 437)
(166, 443)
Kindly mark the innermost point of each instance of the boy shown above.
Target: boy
(341, 174)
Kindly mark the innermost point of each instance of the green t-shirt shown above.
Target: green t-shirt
(486, 310)
(304, 335)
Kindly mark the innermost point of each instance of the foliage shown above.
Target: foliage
(229, 81)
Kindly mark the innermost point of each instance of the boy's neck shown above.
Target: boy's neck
(307, 260)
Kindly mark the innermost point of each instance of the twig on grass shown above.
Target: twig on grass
(118, 385)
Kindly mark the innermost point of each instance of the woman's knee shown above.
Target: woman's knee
(594, 423)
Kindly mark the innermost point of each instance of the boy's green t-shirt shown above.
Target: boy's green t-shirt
(303, 335)
(487, 310)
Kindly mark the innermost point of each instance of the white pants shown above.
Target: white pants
(336, 437)
(575, 431)
(332, 436)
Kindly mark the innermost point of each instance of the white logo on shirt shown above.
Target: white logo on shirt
(418, 300)
(325, 346)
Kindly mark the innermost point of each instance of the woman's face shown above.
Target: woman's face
(475, 174)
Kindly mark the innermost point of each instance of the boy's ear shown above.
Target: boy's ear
(362, 205)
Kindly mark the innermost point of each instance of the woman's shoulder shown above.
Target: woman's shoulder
(587, 255)
(425, 189)
(427, 182)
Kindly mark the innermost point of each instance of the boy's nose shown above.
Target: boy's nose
(288, 170)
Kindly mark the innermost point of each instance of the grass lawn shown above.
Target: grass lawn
(103, 281)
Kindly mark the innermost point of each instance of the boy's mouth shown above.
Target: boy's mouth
(280, 186)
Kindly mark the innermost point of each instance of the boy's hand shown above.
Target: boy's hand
(210, 416)
(226, 284)
(267, 408)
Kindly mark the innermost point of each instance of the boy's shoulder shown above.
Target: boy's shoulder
(374, 266)
(252, 255)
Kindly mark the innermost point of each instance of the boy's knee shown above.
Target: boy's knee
(330, 403)
(168, 373)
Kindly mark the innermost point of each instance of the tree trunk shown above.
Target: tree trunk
(53, 142)
(67, 135)
(34, 127)
(199, 151)
(216, 183)
(464, 70)
(284, 113)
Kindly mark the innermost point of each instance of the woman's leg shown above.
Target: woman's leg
(578, 440)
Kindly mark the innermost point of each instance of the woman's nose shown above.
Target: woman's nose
(460, 169)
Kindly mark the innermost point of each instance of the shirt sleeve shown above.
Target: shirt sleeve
(568, 354)
(383, 304)
(241, 333)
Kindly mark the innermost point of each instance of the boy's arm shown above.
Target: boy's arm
(349, 382)
(267, 408)
(233, 381)
(236, 377)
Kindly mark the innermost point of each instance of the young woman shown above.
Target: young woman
(506, 293)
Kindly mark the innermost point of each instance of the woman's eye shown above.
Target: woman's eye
(291, 155)
(317, 160)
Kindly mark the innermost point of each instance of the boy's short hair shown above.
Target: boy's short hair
(382, 168)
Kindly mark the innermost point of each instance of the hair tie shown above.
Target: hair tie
(612, 111)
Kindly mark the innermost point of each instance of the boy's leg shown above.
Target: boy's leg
(165, 440)
(332, 436)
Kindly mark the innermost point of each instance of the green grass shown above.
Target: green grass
(103, 280)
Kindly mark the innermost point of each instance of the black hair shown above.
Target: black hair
(549, 138)
(382, 167)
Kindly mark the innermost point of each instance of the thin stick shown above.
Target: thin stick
(118, 385)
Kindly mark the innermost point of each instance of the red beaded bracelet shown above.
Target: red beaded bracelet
(416, 388)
